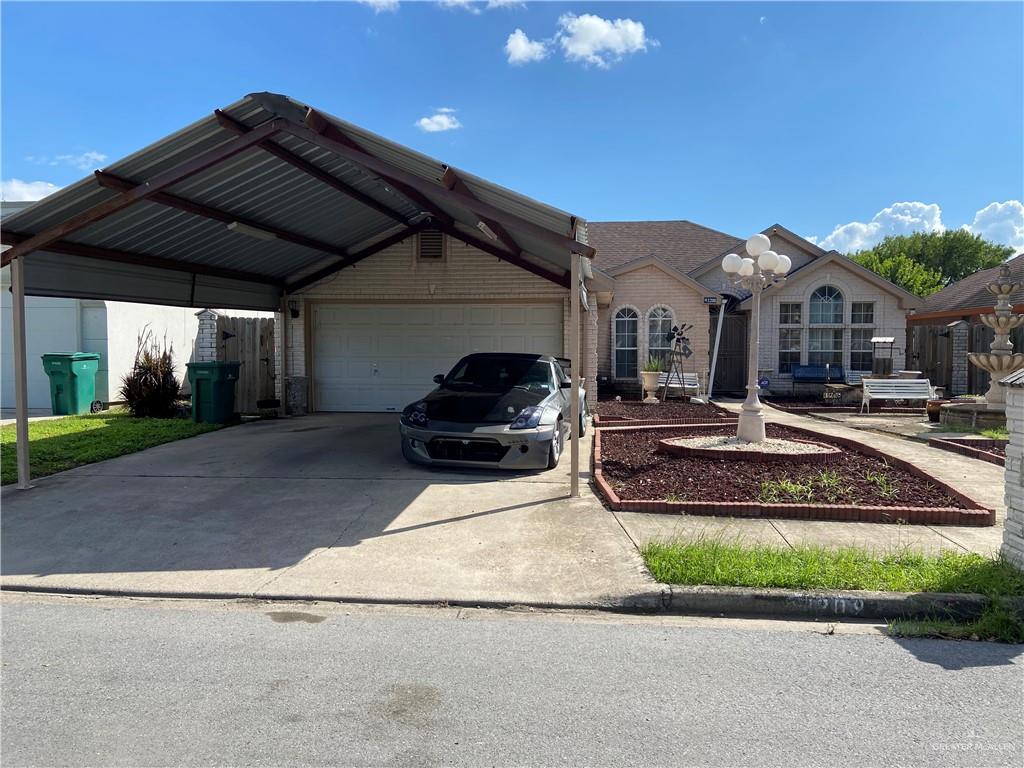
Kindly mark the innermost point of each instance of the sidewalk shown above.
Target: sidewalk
(978, 479)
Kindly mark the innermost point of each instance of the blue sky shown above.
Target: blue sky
(881, 117)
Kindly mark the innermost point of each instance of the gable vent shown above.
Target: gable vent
(431, 245)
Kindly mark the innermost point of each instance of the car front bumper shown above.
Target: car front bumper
(468, 445)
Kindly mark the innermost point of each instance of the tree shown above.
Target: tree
(952, 255)
(903, 271)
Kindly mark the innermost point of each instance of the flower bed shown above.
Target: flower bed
(992, 451)
(632, 474)
(634, 413)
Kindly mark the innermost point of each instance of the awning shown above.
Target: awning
(266, 196)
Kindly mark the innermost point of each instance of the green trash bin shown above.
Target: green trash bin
(213, 391)
(72, 382)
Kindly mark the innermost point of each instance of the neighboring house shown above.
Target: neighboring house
(946, 327)
(651, 275)
(109, 328)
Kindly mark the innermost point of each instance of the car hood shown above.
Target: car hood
(468, 406)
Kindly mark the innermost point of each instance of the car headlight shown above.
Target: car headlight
(528, 418)
(416, 415)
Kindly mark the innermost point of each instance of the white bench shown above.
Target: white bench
(895, 389)
(688, 382)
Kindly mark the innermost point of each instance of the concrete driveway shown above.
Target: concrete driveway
(320, 506)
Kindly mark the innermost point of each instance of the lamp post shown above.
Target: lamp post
(763, 268)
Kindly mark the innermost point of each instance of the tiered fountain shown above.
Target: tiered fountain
(1000, 361)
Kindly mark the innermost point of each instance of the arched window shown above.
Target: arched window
(826, 306)
(625, 361)
(659, 334)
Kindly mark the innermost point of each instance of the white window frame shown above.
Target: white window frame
(665, 346)
(810, 306)
(615, 340)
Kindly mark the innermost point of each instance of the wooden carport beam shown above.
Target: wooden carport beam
(236, 126)
(159, 182)
(111, 181)
(451, 180)
(140, 259)
(323, 127)
(396, 176)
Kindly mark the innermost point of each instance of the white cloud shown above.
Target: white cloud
(762, 20)
(601, 42)
(897, 219)
(16, 189)
(522, 50)
(1001, 223)
(494, 4)
(461, 5)
(85, 161)
(443, 119)
(381, 6)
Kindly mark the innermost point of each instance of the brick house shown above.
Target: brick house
(651, 275)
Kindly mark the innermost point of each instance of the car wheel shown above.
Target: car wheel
(555, 451)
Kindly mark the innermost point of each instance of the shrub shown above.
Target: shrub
(151, 389)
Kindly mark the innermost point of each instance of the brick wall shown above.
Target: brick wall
(644, 289)
(206, 337)
(960, 333)
(1013, 529)
(890, 319)
(465, 274)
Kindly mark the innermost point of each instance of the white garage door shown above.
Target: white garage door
(381, 357)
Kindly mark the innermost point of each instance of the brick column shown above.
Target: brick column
(590, 353)
(1013, 528)
(959, 334)
(206, 337)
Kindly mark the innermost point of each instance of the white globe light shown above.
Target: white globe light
(731, 263)
(746, 268)
(767, 261)
(758, 244)
(784, 265)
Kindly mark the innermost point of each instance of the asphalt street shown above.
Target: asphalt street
(144, 682)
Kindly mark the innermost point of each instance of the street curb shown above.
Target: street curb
(729, 602)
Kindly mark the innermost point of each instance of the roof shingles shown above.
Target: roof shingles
(682, 244)
(972, 292)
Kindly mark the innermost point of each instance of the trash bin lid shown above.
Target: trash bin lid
(72, 355)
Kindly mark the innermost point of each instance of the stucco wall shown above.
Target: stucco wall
(466, 274)
(644, 289)
(889, 320)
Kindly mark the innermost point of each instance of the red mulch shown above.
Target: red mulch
(877, 406)
(631, 409)
(998, 447)
(634, 469)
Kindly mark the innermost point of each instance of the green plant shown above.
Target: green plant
(776, 491)
(151, 389)
(996, 433)
(653, 365)
(886, 486)
(998, 622)
(673, 497)
(831, 484)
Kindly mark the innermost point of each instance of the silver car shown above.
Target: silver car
(510, 411)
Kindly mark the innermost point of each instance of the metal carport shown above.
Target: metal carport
(259, 199)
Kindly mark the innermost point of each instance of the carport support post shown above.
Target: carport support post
(282, 360)
(20, 371)
(574, 365)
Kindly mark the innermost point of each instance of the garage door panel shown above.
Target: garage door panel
(366, 361)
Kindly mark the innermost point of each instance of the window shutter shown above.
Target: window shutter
(431, 245)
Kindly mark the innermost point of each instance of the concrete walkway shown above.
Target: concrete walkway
(978, 479)
(322, 506)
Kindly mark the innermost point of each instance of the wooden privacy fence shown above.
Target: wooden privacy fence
(250, 341)
(930, 350)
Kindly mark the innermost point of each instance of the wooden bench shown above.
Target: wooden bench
(688, 382)
(895, 389)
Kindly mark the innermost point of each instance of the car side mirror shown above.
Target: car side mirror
(567, 384)
(439, 378)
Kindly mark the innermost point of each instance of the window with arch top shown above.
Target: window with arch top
(659, 334)
(625, 361)
(826, 306)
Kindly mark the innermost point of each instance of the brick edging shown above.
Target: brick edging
(613, 423)
(974, 515)
(970, 451)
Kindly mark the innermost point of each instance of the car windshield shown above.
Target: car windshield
(500, 373)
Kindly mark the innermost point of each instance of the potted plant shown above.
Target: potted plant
(649, 373)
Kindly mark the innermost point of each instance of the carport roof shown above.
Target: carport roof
(262, 197)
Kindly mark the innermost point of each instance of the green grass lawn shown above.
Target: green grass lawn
(722, 563)
(59, 444)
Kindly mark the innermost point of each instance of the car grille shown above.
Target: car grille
(453, 449)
